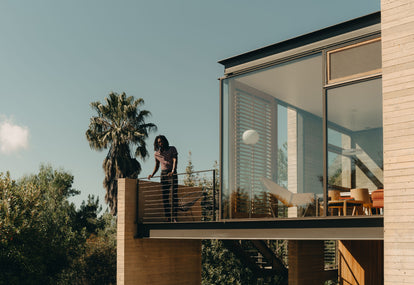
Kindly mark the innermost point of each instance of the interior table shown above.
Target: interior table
(345, 204)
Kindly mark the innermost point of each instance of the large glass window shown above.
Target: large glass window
(273, 133)
(273, 141)
(355, 153)
(353, 61)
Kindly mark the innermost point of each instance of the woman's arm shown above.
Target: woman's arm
(174, 168)
(157, 165)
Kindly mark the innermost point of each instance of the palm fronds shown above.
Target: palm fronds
(119, 125)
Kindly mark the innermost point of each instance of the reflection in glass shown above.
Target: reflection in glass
(355, 150)
(225, 105)
(282, 144)
(283, 104)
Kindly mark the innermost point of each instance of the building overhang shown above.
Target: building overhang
(303, 45)
(320, 36)
(327, 228)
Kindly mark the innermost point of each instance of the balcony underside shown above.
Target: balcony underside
(326, 228)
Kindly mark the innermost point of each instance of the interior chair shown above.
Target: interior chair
(377, 197)
(362, 194)
(333, 198)
(342, 204)
(287, 197)
(334, 195)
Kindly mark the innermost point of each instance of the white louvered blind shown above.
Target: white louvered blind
(252, 161)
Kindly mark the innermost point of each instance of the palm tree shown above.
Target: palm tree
(120, 124)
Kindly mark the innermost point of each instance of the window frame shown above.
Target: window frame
(355, 76)
(326, 86)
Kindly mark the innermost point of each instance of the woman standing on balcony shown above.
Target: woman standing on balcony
(166, 156)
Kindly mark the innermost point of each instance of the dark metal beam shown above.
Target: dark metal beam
(309, 38)
(363, 227)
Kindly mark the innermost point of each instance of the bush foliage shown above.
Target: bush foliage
(44, 239)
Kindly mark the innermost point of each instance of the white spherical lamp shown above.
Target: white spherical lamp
(250, 137)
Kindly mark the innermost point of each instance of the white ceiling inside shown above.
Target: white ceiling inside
(299, 83)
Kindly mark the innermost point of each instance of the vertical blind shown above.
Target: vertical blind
(252, 161)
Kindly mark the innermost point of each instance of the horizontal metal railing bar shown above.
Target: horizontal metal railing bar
(186, 198)
(153, 205)
(149, 193)
(155, 210)
(183, 192)
(156, 202)
(161, 207)
(180, 199)
(182, 173)
(194, 210)
(195, 202)
(179, 185)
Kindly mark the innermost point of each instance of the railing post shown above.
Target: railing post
(172, 197)
(139, 229)
(214, 195)
(137, 204)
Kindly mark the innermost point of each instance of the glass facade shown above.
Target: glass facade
(272, 130)
(355, 136)
(274, 139)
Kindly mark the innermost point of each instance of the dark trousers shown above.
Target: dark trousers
(169, 185)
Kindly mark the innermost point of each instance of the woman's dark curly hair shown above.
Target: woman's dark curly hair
(164, 141)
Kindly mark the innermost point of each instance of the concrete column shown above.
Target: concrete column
(150, 261)
(292, 157)
(397, 29)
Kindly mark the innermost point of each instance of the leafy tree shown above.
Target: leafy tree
(190, 178)
(100, 258)
(221, 266)
(119, 124)
(97, 263)
(37, 237)
(282, 165)
(88, 216)
(45, 240)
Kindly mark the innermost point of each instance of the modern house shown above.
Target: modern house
(310, 127)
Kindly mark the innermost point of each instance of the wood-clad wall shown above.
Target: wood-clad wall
(397, 25)
(306, 262)
(150, 261)
(360, 262)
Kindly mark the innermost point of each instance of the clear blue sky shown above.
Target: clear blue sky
(58, 56)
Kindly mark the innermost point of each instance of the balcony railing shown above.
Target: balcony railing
(183, 197)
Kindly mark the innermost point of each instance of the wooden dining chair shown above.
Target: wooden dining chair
(333, 197)
(362, 194)
(378, 200)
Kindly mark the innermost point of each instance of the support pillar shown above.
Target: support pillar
(151, 261)
(306, 262)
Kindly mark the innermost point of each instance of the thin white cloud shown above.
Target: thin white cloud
(13, 137)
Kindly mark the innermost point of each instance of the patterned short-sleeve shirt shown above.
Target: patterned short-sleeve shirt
(166, 157)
